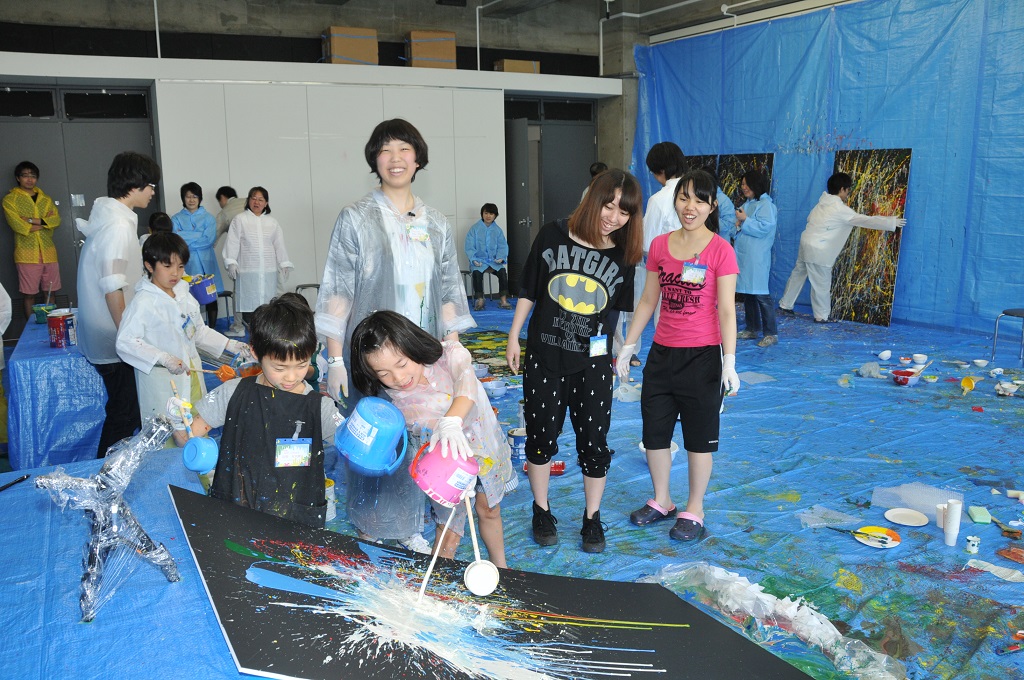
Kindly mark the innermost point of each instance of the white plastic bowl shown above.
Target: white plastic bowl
(481, 370)
(920, 359)
(495, 388)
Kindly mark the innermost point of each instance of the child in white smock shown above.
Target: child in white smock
(434, 386)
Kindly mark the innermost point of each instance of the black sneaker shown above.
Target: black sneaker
(786, 312)
(592, 533)
(544, 531)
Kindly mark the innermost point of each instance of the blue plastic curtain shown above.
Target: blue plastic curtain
(942, 77)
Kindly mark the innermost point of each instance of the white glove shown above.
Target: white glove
(730, 381)
(284, 272)
(448, 432)
(243, 350)
(233, 271)
(337, 380)
(622, 363)
(900, 223)
(173, 364)
(175, 407)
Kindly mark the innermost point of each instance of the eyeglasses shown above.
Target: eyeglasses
(154, 186)
(26, 175)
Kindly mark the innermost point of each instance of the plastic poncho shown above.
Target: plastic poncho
(199, 229)
(110, 260)
(155, 323)
(255, 244)
(381, 259)
(829, 225)
(660, 217)
(726, 214)
(5, 317)
(487, 245)
(30, 245)
(753, 242)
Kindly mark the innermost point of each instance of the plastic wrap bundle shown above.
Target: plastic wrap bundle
(737, 597)
(116, 539)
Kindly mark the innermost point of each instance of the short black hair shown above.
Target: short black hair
(294, 297)
(130, 170)
(160, 221)
(756, 182)
(838, 182)
(192, 187)
(395, 129)
(283, 329)
(389, 329)
(666, 158)
(489, 207)
(226, 192)
(266, 197)
(597, 168)
(25, 165)
(160, 246)
(706, 190)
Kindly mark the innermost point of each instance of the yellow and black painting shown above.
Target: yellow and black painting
(731, 168)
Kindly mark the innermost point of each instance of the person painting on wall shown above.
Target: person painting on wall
(434, 386)
(272, 451)
(487, 251)
(577, 278)
(692, 362)
(109, 266)
(199, 229)
(254, 253)
(752, 238)
(389, 251)
(828, 227)
(32, 216)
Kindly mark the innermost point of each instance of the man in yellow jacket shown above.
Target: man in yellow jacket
(32, 216)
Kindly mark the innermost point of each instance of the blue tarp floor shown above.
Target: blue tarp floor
(800, 439)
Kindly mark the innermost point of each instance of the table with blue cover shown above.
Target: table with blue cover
(55, 404)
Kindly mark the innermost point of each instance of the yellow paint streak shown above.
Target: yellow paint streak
(787, 496)
(849, 581)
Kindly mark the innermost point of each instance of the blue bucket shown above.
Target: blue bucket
(369, 438)
(200, 454)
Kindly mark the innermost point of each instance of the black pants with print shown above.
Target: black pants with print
(588, 396)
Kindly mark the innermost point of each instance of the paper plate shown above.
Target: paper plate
(906, 517)
(894, 538)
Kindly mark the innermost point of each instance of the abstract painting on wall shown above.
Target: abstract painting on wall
(707, 162)
(732, 166)
(864, 276)
(298, 602)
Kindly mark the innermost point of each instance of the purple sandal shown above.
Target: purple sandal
(688, 527)
(650, 513)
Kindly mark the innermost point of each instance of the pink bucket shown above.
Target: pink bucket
(443, 479)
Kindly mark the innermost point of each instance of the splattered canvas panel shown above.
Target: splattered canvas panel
(297, 602)
(706, 162)
(732, 166)
(864, 276)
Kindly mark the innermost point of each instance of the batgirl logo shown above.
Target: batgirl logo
(578, 293)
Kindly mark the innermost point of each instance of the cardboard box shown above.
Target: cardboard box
(348, 45)
(430, 49)
(517, 66)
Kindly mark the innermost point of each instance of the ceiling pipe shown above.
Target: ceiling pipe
(479, 7)
(726, 8)
(156, 22)
(630, 15)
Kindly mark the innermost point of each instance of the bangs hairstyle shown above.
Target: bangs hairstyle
(266, 197)
(388, 329)
(488, 207)
(161, 245)
(402, 131)
(193, 188)
(26, 165)
(130, 170)
(705, 189)
(756, 182)
(283, 329)
(585, 221)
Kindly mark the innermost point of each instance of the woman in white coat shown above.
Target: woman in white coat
(254, 253)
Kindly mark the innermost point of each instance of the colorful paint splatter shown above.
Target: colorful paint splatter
(732, 166)
(864, 276)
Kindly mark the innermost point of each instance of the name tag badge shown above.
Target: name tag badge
(292, 452)
(694, 273)
(188, 327)
(599, 345)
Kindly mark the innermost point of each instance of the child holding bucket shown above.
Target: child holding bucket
(692, 362)
(434, 386)
(578, 276)
(162, 329)
(271, 455)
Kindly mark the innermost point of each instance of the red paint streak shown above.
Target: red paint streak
(959, 576)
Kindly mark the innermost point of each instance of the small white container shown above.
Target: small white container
(920, 359)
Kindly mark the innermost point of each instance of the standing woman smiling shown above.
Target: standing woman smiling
(199, 229)
(692, 361)
(577, 278)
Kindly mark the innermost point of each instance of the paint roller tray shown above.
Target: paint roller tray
(906, 517)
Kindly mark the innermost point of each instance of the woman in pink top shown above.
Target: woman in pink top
(692, 362)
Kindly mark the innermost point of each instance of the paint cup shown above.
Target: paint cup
(481, 577)
(951, 520)
(517, 442)
(200, 454)
(940, 513)
(332, 510)
(41, 310)
(973, 543)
